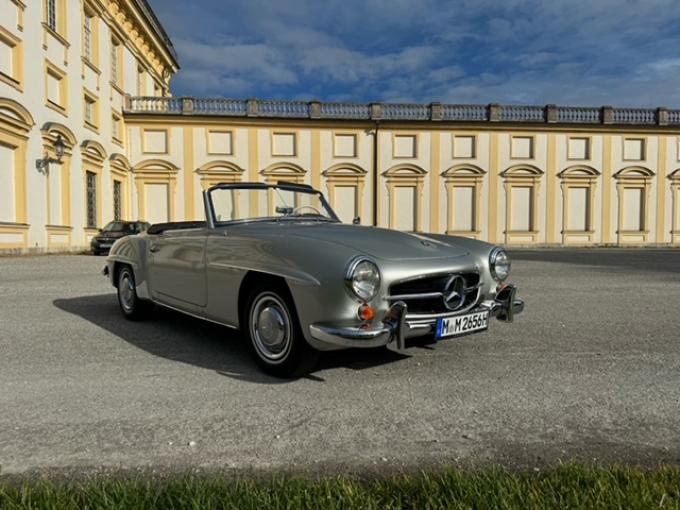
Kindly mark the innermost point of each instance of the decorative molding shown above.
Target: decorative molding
(16, 115)
(120, 162)
(404, 170)
(464, 171)
(93, 151)
(284, 171)
(155, 166)
(51, 130)
(215, 172)
(345, 170)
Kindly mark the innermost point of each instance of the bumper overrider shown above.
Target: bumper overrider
(395, 328)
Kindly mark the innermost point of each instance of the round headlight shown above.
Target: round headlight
(499, 263)
(363, 278)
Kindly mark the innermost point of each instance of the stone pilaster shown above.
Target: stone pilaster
(494, 112)
(252, 109)
(314, 109)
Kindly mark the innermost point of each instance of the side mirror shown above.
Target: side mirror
(356, 221)
(100, 230)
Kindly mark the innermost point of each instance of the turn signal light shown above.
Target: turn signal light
(366, 313)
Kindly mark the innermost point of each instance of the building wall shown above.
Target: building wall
(549, 185)
(45, 75)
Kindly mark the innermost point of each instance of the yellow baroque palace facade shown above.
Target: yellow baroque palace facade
(93, 76)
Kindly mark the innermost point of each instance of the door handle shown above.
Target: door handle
(153, 248)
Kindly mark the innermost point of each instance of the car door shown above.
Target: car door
(177, 268)
(226, 259)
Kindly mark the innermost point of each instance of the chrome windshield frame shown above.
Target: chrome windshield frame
(285, 186)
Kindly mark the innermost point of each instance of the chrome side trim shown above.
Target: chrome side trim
(425, 295)
(296, 276)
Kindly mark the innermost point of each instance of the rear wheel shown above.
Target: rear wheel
(276, 338)
(131, 305)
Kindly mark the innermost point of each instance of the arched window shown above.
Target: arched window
(15, 124)
(94, 156)
(345, 182)
(281, 172)
(58, 183)
(405, 190)
(675, 193)
(289, 172)
(463, 191)
(522, 184)
(578, 203)
(216, 172)
(156, 181)
(634, 185)
(120, 171)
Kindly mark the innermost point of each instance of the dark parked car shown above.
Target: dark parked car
(102, 242)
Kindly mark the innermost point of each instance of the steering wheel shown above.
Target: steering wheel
(302, 207)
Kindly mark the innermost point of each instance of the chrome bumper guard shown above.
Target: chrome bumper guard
(506, 306)
(392, 327)
(395, 328)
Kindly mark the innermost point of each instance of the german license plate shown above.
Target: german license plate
(454, 326)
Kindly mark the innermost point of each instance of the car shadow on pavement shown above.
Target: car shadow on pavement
(179, 337)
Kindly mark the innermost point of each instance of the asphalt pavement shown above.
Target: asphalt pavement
(590, 371)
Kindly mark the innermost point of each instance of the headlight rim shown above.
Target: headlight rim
(349, 277)
(493, 256)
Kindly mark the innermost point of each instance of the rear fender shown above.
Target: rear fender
(132, 251)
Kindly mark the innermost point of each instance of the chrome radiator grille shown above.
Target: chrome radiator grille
(449, 293)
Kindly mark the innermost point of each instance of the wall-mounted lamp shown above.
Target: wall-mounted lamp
(43, 163)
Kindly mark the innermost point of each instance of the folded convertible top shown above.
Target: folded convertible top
(159, 228)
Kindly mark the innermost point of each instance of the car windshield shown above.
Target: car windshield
(259, 203)
(124, 226)
(117, 226)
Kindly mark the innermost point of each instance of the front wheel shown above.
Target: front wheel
(131, 305)
(276, 338)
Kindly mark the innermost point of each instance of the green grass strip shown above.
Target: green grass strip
(563, 487)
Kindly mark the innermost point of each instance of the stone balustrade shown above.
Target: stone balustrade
(269, 108)
(579, 115)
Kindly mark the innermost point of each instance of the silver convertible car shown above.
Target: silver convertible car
(275, 262)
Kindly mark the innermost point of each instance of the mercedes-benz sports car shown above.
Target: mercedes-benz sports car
(275, 262)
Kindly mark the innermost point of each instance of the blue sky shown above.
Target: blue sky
(589, 52)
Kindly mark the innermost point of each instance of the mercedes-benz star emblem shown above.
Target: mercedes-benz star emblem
(454, 292)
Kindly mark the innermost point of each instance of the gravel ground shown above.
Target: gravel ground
(591, 371)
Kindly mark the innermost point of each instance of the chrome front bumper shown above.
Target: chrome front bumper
(394, 326)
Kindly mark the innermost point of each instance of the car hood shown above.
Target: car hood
(377, 242)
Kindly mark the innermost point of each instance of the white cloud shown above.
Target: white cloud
(532, 51)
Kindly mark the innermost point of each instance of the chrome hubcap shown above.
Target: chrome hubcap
(126, 291)
(270, 327)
